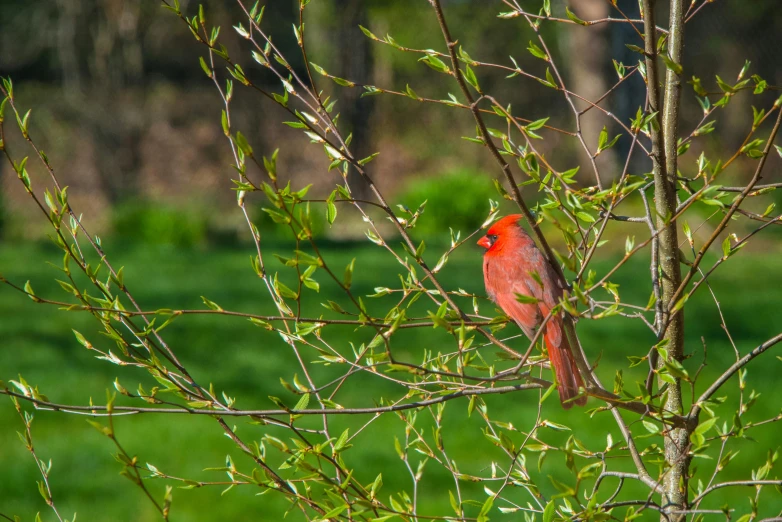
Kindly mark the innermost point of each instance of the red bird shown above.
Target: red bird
(510, 260)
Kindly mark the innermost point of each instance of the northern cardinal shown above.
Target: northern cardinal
(510, 263)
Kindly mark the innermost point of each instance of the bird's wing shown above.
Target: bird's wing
(540, 281)
(526, 315)
(503, 282)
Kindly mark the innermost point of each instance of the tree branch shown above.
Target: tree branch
(94, 409)
(751, 483)
(732, 210)
(451, 44)
(696, 408)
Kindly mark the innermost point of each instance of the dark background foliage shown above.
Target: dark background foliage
(122, 105)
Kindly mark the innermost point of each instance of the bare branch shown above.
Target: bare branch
(722, 379)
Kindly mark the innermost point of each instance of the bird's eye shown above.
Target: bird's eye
(492, 237)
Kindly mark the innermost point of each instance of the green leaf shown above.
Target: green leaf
(603, 142)
(537, 51)
(757, 116)
(704, 129)
(437, 320)
(526, 299)
(440, 263)
(343, 82)
(370, 90)
(260, 58)
(279, 59)
(619, 67)
(697, 86)
(2, 108)
(283, 290)
(550, 78)
(724, 86)
(752, 144)
(23, 123)
(435, 63)
(341, 441)
(331, 208)
(629, 244)
(651, 427)
(211, 304)
(368, 159)
(565, 490)
(487, 505)
(454, 504)
(469, 75)
(29, 289)
(537, 124)
(334, 513)
(224, 123)
(554, 426)
(349, 273)
(205, 67)
(671, 65)
(319, 69)
(333, 153)
(306, 259)
(680, 303)
(549, 81)
(548, 513)
(271, 164)
(574, 18)
(744, 69)
(368, 32)
(635, 48)
(706, 425)
(82, 340)
(297, 125)
(675, 368)
(303, 402)
(243, 145)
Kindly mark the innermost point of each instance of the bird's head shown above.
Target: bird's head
(501, 232)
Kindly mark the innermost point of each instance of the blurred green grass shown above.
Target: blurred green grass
(247, 363)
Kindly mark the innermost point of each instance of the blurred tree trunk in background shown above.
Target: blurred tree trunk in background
(116, 64)
(107, 91)
(589, 49)
(67, 48)
(356, 63)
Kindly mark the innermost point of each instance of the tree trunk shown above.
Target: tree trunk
(676, 444)
(664, 145)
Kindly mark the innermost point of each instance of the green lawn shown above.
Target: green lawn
(247, 363)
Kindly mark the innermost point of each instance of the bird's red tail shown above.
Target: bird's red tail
(564, 364)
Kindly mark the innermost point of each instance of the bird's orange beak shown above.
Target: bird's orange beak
(484, 242)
